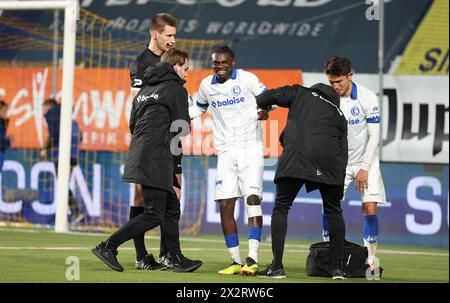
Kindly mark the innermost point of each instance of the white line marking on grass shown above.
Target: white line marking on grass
(411, 253)
(42, 248)
(188, 238)
(294, 247)
(132, 249)
(381, 251)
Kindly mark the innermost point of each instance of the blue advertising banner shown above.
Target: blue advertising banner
(416, 212)
(102, 200)
(265, 34)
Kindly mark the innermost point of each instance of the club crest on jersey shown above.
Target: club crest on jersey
(236, 90)
(355, 111)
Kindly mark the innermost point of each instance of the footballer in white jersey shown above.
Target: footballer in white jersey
(230, 96)
(361, 109)
(233, 108)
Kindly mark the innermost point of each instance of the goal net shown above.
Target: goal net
(31, 65)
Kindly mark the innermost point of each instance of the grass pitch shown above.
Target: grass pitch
(40, 256)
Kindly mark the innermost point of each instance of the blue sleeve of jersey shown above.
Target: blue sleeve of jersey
(372, 109)
(375, 119)
(202, 105)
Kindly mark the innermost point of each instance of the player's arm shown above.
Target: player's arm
(373, 129)
(257, 88)
(372, 144)
(372, 113)
(199, 107)
(371, 148)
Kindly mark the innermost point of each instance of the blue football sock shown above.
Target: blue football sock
(371, 228)
(325, 228)
(254, 233)
(231, 240)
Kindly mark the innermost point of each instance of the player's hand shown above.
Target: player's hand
(263, 115)
(361, 181)
(177, 192)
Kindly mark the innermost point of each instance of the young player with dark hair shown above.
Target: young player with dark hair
(361, 109)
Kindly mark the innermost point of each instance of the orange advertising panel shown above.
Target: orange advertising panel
(102, 104)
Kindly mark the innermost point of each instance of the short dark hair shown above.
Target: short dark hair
(338, 66)
(175, 56)
(3, 104)
(159, 21)
(223, 49)
(50, 101)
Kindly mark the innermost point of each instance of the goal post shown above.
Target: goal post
(71, 11)
(31, 194)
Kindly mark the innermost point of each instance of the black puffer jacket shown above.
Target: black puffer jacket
(158, 104)
(315, 137)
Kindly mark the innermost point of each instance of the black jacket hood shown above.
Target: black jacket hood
(328, 91)
(160, 72)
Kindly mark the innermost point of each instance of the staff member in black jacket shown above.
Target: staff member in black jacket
(160, 103)
(315, 154)
(163, 28)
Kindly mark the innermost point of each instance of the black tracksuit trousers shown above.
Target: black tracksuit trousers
(160, 206)
(287, 190)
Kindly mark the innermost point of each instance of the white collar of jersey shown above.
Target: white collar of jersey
(354, 94)
(233, 77)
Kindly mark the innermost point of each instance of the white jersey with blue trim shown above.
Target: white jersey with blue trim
(359, 109)
(233, 108)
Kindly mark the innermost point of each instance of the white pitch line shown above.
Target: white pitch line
(381, 251)
(294, 247)
(412, 253)
(120, 249)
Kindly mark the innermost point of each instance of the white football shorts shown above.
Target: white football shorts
(239, 172)
(375, 186)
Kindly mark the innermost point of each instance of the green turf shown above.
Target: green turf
(25, 257)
